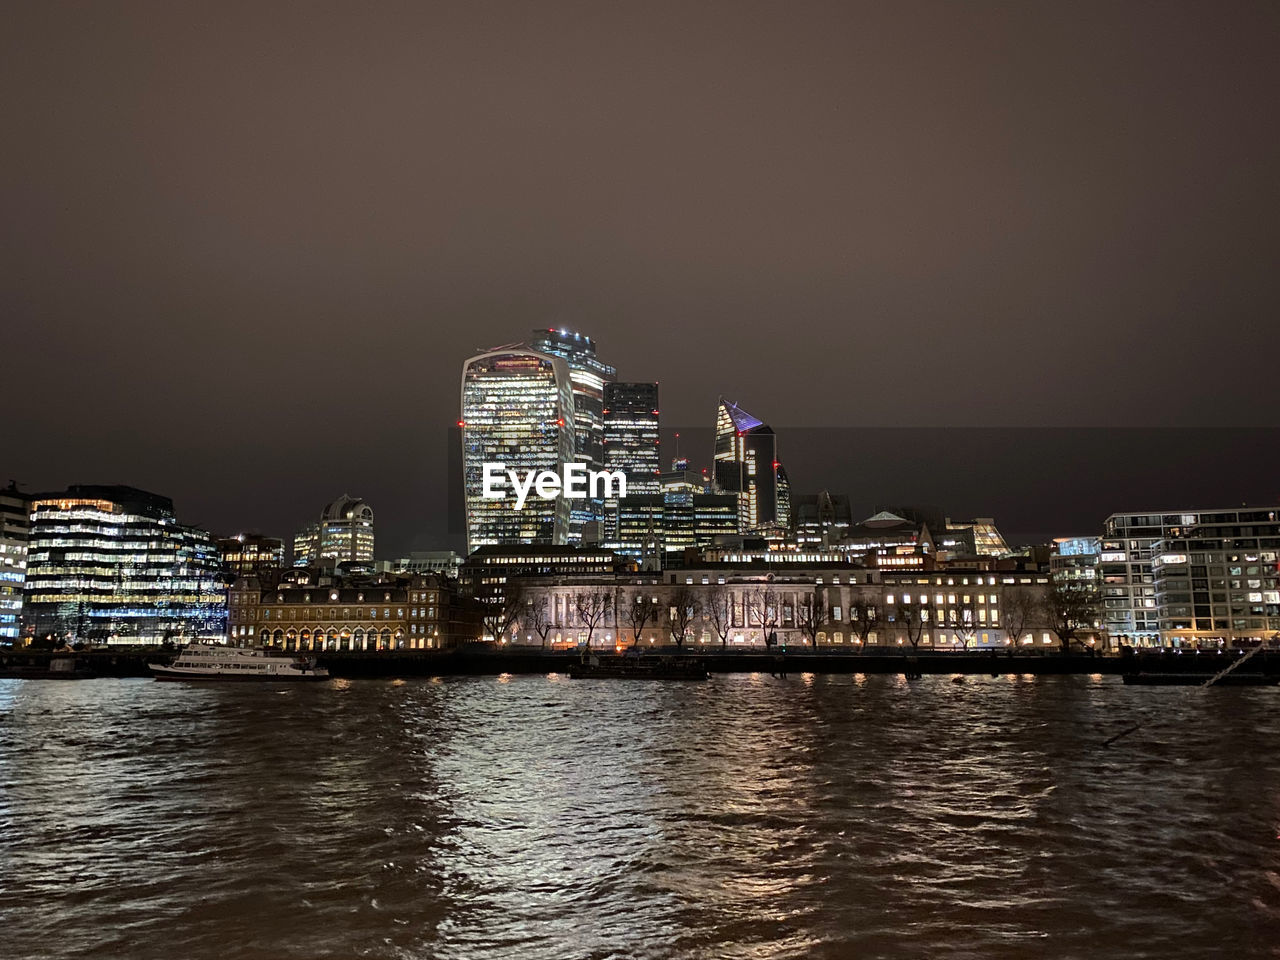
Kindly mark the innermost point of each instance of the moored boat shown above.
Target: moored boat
(200, 661)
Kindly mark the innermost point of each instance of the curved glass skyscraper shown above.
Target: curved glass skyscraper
(518, 412)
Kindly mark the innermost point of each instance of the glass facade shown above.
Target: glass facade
(588, 379)
(1216, 581)
(630, 442)
(14, 528)
(746, 464)
(517, 411)
(111, 564)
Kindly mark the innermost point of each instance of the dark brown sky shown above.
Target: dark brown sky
(247, 246)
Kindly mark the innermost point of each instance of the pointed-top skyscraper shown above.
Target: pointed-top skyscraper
(746, 464)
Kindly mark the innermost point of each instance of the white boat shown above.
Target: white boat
(202, 661)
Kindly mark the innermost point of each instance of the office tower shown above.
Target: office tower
(306, 545)
(346, 531)
(746, 464)
(1216, 579)
(517, 412)
(112, 564)
(251, 554)
(631, 434)
(15, 517)
(630, 442)
(588, 377)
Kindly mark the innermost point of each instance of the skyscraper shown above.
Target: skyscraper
(111, 563)
(588, 376)
(631, 434)
(630, 442)
(518, 412)
(15, 516)
(746, 464)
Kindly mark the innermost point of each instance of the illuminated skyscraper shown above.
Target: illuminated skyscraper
(517, 412)
(15, 515)
(631, 434)
(112, 564)
(630, 442)
(588, 377)
(746, 464)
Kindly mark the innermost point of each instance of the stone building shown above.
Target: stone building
(310, 612)
(743, 606)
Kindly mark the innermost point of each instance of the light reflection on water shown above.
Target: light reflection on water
(537, 817)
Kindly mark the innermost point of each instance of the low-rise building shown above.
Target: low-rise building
(831, 605)
(321, 613)
(251, 553)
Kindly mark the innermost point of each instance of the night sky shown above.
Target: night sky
(246, 247)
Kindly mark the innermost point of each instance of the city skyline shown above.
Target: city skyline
(1072, 230)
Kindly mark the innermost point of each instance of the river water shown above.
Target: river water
(537, 817)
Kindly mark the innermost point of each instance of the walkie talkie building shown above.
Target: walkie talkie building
(518, 412)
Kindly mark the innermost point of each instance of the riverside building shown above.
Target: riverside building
(308, 611)
(15, 524)
(111, 564)
(1216, 581)
(753, 606)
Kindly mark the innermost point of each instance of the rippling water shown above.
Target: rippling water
(537, 817)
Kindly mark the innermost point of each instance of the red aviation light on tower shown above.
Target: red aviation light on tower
(462, 423)
(560, 422)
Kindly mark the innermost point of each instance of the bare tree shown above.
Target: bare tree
(686, 606)
(962, 620)
(720, 610)
(911, 622)
(812, 614)
(593, 608)
(864, 618)
(499, 614)
(762, 606)
(641, 611)
(1019, 610)
(537, 618)
(1070, 608)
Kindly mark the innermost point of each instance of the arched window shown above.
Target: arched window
(277, 638)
